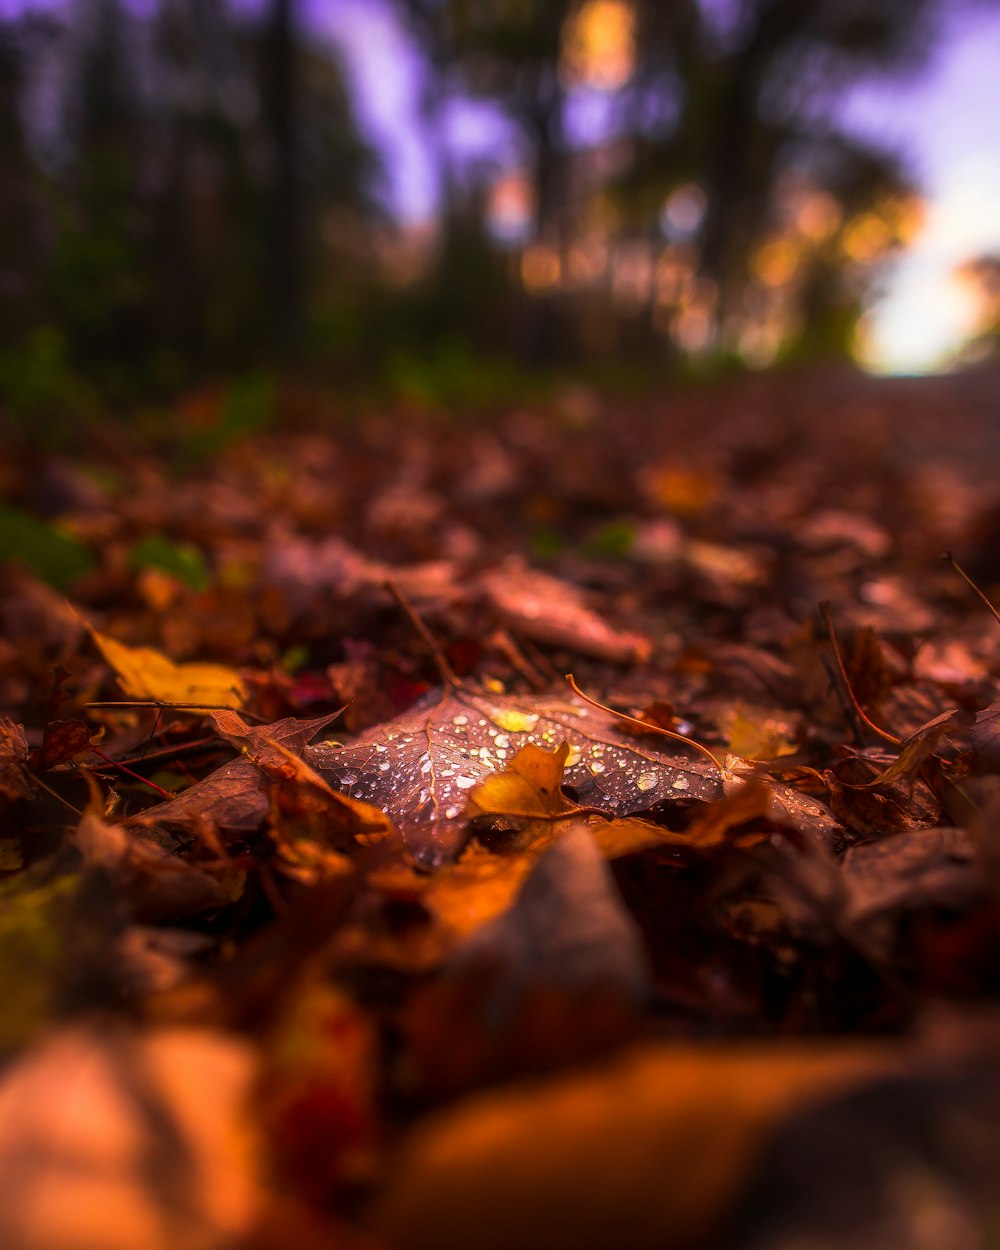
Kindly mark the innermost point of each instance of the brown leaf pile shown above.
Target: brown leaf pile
(329, 912)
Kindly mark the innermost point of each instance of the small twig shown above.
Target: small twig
(178, 748)
(957, 568)
(179, 707)
(128, 772)
(827, 616)
(55, 794)
(846, 706)
(648, 726)
(447, 674)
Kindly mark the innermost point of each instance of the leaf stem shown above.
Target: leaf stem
(957, 568)
(884, 734)
(647, 725)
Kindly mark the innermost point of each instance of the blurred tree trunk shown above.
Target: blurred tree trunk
(285, 278)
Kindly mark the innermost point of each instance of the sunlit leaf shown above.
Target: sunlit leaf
(529, 786)
(650, 1150)
(422, 767)
(145, 673)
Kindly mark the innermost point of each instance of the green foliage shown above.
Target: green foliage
(615, 540)
(33, 908)
(248, 409)
(40, 388)
(180, 560)
(55, 556)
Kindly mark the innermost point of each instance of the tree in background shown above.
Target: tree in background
(184, 165)
(713, 204)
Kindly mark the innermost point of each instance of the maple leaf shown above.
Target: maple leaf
(234, 797)
(421, 767)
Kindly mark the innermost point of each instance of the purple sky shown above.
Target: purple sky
(945, 122)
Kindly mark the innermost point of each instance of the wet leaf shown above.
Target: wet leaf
(145, 673)
(422, 767)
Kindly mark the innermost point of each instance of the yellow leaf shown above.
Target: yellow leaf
(528, 786)
(145, 673)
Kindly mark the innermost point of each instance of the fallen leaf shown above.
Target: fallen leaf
(15, 780)
(156, 884)
(918, 748)
(528, 787)
(554, 612)
(145, 673)
(64, 740)
(83, 1114)
(421, 767)
(648, 1151)
(567, 927)
(234, 797)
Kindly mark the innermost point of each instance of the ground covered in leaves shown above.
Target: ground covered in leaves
(332, 911)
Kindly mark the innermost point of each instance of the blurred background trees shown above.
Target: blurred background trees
(186, 192)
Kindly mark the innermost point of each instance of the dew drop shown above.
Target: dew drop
(465, 783)
(460, 720)
(597, 767)
(647, 781)
(502, 739)
(348, 779)
(451, 812)
(680, 783)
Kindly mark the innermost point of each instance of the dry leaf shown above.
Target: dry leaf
(648, 1151)
(529, 786)
(145, 673)
(111, 1140)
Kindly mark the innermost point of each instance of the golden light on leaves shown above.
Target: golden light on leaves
(599, 46)
(818, 216)
(775, 263)
(866, 238)
(540, 268)
(528, 787)
(145, 673)
(677, 1124)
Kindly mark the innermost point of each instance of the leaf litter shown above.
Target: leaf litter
(367, 934)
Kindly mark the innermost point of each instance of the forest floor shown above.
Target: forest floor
(332, 911)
